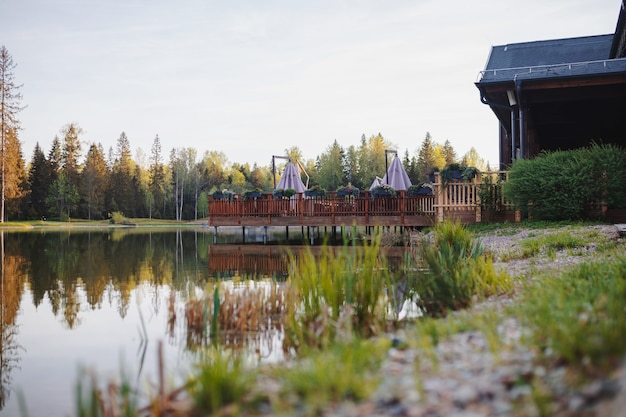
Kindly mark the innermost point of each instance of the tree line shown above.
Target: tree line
(67, 182)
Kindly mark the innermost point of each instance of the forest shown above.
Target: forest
(70, 182)
(62, 184)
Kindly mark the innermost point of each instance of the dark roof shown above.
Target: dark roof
(551, 58)
(550, 52)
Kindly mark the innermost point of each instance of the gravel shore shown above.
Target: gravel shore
(466, 378)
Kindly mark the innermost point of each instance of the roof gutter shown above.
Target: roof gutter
(511, 108)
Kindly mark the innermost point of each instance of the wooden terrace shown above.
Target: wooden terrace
(454, 200)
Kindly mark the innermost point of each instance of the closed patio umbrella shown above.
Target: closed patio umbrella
(397, 177)
(291, 179)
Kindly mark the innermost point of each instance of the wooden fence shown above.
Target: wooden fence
(453, 199)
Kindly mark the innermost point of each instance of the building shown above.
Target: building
(557, 94)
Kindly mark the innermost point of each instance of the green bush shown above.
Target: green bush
(456, 271)
(118, 218)
(566, 184)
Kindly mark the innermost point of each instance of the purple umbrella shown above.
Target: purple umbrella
(291, 179)
(396, 176)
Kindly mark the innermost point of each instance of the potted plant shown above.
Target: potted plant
(286, 193)
(384, 190)
(253, 194)
(420, 189)
(348, 191)
(223, 195)
(452, 172)
(469, 173)
(315, 191)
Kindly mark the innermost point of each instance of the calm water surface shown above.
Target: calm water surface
(100, 300)
(77, 299)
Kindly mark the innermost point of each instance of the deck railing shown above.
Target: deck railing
(449, 199)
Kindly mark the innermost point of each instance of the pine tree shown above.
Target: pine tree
(157, 179)
(70, 153)
(10, 146)
(94, 181)
(426, 158)
(39, 181)
(449, 153)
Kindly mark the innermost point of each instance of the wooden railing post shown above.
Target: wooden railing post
(402, 206)
(438, 198)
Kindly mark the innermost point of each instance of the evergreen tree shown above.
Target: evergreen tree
(449, 153)
(62, 197)
(10, 147)
(93, 182)
(39, 180)
(351, 167)
(54, 157)
(121, 187)
(426, 158)
(157, 179)
(70, 153)
(329, 167)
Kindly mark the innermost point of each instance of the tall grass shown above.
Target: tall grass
(336, 293)
(456, 271)
(345, 371)
(220, 379)
(579, 316)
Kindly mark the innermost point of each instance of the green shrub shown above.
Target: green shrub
(118, 218)
(456, 271)
(579, 316)
(566, 184)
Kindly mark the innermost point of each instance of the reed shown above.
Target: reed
(456, 271)
(236, 314)
(334, 293)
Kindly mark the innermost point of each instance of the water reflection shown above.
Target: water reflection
(72, 297)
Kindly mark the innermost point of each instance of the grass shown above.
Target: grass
(579, 316)
(344, 371)
(220, 380)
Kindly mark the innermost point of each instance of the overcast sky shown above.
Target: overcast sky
(252, 78)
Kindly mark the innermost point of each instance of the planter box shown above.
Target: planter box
(347, 193)
(252, 196)
(308, 193)
(383, 194)
(222, 196)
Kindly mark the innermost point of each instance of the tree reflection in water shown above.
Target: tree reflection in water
(72, 274)
(11, 283)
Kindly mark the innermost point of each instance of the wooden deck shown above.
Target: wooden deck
(456, 200)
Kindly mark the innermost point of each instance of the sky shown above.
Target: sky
(253, 78)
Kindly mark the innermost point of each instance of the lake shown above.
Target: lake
(102, 300)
